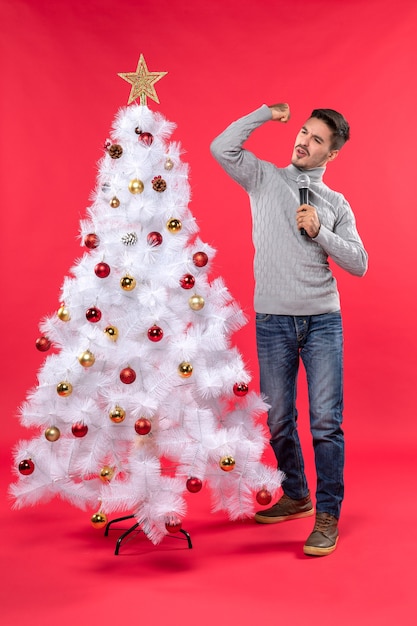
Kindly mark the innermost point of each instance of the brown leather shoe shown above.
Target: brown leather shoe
(323, 539)
(285, 509)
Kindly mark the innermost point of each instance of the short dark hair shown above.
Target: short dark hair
(337, 124)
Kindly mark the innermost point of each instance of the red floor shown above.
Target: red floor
(60, 570)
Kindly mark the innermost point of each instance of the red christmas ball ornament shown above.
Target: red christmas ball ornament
(143, 426)
(93, 315)
(173, 525)
(26, 467)
(154, 239)
(145, 138)
(91, 241)
(263, 497)
(155, 333)
(102, 270)
(194, 484)
(128, 375)
(79, 429)
(187, 281)
(43, 344)
(240, 389)
(200, 259)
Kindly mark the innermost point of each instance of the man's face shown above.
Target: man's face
(313, 145)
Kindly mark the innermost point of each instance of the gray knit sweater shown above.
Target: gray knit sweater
(292, 273)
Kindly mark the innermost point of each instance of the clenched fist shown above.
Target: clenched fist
(280, 112)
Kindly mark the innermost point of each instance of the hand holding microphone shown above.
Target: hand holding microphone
(307, 218)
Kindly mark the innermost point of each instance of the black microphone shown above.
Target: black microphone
(303, 182)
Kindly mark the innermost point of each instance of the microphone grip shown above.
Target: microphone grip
(303, 200)
(303, 195)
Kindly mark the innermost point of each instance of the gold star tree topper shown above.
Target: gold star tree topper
(142, 82)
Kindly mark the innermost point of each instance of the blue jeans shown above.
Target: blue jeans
(318, 340)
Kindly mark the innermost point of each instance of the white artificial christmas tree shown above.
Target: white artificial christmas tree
(143, 397)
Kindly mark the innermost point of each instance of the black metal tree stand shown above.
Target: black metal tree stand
(127, 532)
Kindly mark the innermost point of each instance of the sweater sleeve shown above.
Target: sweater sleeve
(243, 166)
(343, 244)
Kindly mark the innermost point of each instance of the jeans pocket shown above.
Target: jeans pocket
(262, 317)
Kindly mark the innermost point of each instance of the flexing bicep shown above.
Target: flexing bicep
(242, 165)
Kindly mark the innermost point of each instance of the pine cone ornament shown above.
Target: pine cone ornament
(159, 184)
(115, 151)
(130, 239)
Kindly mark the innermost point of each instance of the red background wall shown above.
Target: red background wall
(60, 92)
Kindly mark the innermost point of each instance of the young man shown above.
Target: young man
(297, 304)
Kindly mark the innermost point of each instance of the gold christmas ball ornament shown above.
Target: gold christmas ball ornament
(185, 369)
(87, 358)
(136, 186)
(169, 164)
(63, 313)
(52, 433)
(227, 463)
(106, 473)
(99, 520)
(128, 283)
(114, 202)
(117, 414)
(111, 332)
(64, 389)
(174, 225)
(196, 303)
